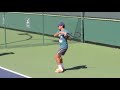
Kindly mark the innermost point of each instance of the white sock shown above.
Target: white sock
(60, 67)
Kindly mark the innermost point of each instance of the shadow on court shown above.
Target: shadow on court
(77, 67)
(2, 54)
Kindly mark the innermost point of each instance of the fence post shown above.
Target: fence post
(82, 26)
(43, 28)
(4, 25)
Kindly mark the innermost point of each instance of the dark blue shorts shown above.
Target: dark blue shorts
(61, 52)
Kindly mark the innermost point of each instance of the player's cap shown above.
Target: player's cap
(61, 24)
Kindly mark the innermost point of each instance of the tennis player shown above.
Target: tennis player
(63, 35)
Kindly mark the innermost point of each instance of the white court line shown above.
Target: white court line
(15, 72)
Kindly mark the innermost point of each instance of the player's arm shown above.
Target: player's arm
(56, 34)
(66, 35)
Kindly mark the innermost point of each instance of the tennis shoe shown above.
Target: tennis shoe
(59, 70)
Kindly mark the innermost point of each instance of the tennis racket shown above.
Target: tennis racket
(77, 35)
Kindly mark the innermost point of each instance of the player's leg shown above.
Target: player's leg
(59, 60)
(62, 53)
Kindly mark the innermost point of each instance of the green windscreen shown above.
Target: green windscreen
(31, 29)
(101, 31)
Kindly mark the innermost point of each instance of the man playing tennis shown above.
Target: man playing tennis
(63, 36)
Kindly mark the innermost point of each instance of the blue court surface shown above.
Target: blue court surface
(6, 73)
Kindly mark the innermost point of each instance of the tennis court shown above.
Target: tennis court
(26, 54)
(81, 61)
